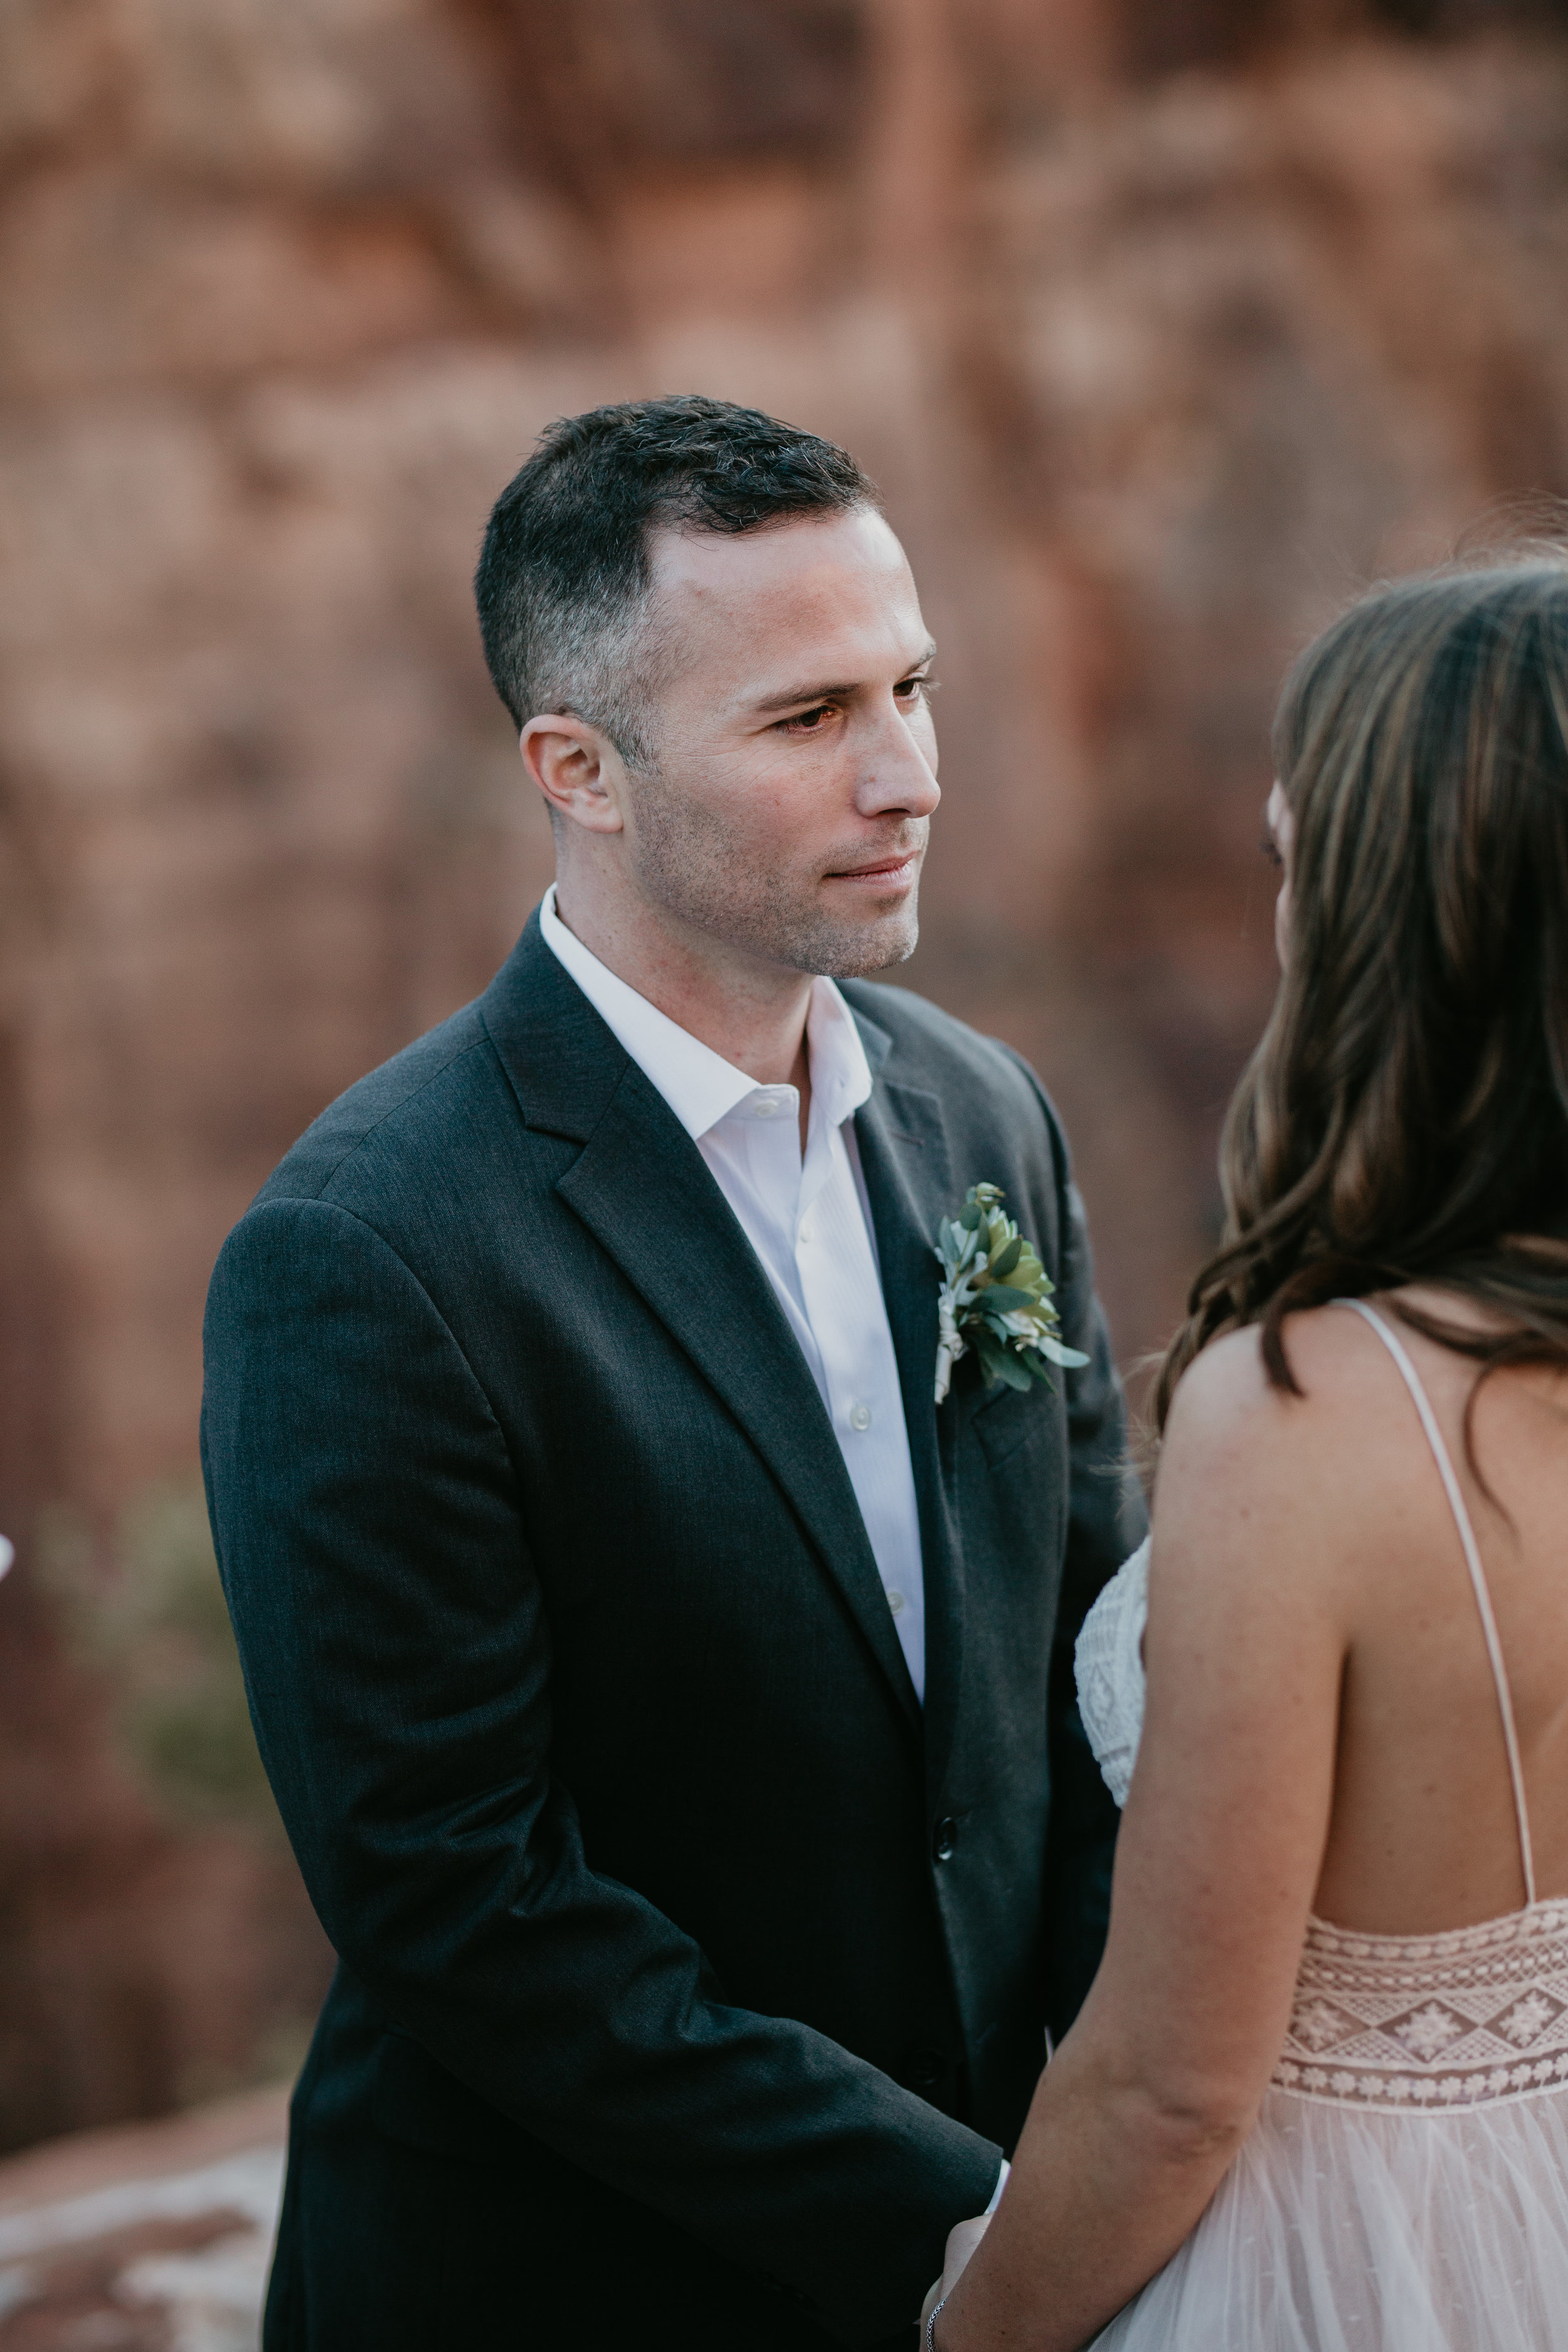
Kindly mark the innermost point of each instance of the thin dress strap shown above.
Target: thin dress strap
(1456, 1504)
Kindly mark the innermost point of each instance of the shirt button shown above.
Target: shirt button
(859, 1416)
(895, 1600)
(768, 1106)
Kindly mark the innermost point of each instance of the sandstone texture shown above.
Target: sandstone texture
(1162, 328)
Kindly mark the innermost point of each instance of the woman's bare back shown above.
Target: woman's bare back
(1422, 1832)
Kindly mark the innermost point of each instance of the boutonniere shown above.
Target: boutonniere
(995, 1297)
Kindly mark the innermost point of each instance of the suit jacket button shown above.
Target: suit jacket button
(925, 2070)
(945, 1839)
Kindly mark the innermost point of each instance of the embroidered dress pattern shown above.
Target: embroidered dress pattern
(1109, 1665)
(1459, 2019)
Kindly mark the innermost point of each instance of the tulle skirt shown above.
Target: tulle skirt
(1342, 2229)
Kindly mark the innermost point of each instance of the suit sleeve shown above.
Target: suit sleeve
(1107, 1520)
(397, 1658)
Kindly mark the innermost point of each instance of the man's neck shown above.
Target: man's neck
(750, 1014)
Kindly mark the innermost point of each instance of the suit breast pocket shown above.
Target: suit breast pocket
(1007, 1419)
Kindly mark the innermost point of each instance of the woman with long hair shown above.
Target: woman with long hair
(1317, 2100)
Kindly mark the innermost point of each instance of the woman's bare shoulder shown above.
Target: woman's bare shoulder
(1323, 1442)
(1333, 1359)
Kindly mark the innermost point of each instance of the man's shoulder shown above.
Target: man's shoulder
(933, 1048)
(408, 1103)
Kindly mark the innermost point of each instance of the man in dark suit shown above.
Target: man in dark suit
(670, 1701)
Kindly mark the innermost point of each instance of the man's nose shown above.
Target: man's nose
(894, 772)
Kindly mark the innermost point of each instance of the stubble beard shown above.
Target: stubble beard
(698, 868)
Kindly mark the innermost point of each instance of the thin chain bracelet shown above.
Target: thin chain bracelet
(936, 2311)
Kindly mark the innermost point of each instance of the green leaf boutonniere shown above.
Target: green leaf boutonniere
(995, 1297)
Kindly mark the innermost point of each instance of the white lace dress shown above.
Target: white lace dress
(1405, 2186)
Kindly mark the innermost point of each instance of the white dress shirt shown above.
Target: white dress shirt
(809, 1222)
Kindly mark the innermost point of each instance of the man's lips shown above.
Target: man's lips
(884, 869)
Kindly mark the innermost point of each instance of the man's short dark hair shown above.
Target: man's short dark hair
(564, 576)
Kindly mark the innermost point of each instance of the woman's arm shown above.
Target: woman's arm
(1141, 2110)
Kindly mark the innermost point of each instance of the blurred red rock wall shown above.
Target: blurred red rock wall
(1162, 327)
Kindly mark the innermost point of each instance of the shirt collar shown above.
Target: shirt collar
(840, 1073)
(700, 1086)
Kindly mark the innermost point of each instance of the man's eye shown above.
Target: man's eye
(810, 721)
(912, 689)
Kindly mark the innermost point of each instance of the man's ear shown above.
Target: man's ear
(578, 770)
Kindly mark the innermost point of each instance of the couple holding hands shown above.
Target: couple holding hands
(669, 1476)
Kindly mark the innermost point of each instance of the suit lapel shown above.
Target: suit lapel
(644, 1190)
(909, 1181)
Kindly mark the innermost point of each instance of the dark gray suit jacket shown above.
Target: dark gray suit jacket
(572, 1668)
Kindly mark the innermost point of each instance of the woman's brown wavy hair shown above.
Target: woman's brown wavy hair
(1405, 1116)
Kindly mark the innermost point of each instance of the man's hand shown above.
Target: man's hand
(961, 2241)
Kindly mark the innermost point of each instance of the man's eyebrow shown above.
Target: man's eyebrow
(811, 694)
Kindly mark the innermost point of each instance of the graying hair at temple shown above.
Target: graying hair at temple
(563, 580)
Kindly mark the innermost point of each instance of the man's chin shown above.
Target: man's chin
(853, 951)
